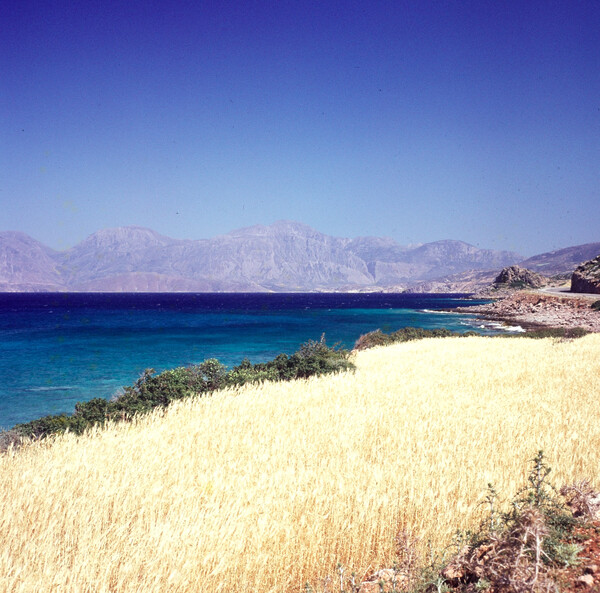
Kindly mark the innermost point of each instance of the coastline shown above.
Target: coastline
(534, 310)
(89, 345)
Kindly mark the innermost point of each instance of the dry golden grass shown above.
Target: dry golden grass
(270, 487)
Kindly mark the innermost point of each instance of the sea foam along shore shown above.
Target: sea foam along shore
(270, 486)
(538, 309)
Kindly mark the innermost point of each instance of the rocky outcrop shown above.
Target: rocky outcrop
(586, 277)
(519, 278)
(508, 281)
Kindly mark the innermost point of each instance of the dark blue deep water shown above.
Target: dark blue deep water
(57, 349)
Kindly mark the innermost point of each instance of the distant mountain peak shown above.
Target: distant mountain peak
(278, 227)
(27, 264)
(20, 237)
(292, 225)
(131, 236)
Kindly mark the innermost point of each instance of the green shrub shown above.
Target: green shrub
(595, 306)
(246, 372)
(51, 425)
(514, 549)
(316, 358)
(94, 411)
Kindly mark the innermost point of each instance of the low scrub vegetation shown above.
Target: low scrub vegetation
(275, 485)
(153, 390)
(562, 333)
(405, 334)
(531, 544)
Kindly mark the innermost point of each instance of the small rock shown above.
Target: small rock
(586, 579)
(591, 569)
(454, 573)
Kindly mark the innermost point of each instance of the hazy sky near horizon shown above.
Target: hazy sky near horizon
(421, 120)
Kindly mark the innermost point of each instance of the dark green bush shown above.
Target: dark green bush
(313, 358)
(316, 358)
(595, 306)
(152, 391)
(94, 411)
(52, 425)
(246, 372)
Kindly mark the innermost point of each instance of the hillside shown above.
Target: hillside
(561, 261)
(270, 487)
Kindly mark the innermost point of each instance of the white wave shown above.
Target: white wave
(492, 325)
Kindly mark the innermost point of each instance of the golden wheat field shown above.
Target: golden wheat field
(269, 487)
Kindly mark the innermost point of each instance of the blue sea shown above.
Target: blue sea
(57, 349)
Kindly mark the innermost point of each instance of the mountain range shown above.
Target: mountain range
(285, 256)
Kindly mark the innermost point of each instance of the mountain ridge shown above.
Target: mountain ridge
(561, 261)
(284, 256)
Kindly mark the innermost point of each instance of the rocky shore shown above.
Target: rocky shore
(536, 309)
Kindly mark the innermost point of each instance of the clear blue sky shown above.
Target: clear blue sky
(419, 120)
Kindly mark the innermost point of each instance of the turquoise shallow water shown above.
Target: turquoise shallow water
(57, 349)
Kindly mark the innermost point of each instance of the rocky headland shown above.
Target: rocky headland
(537, 309)
(531, 300)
